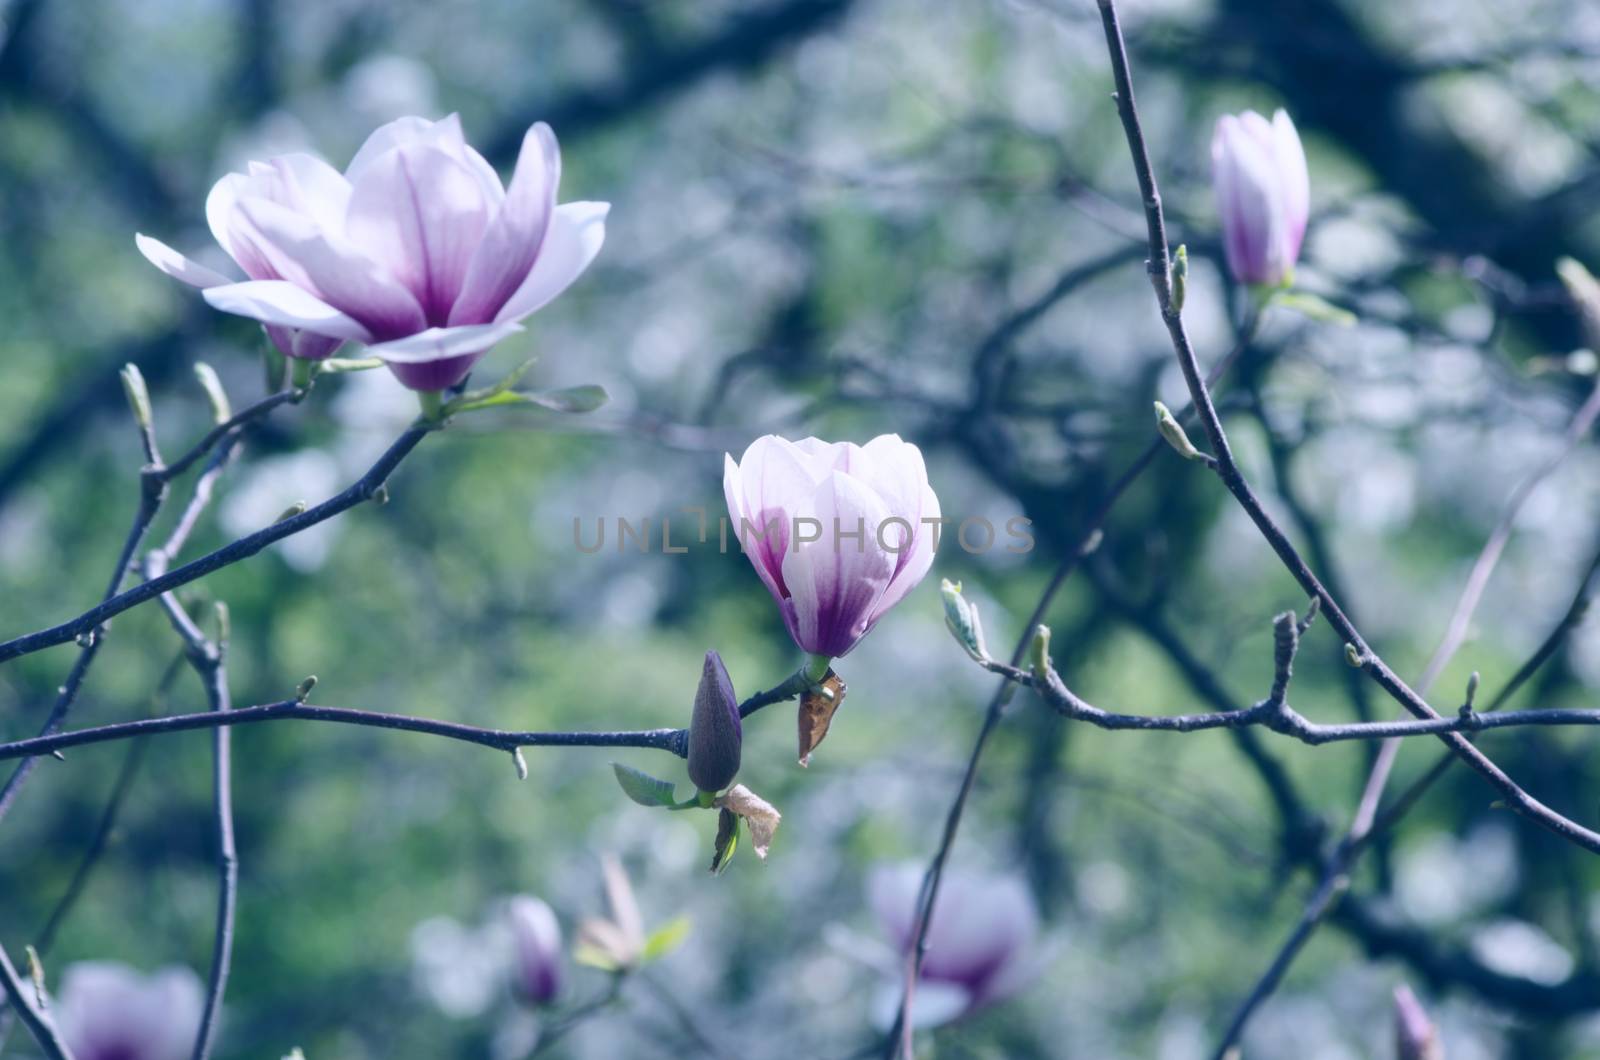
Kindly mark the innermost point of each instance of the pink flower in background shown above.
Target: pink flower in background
(981, 939)
(862, 544)
(536, 959)
(415, 249)
(109, 1011)
(1415, 1036)
(1258, 171)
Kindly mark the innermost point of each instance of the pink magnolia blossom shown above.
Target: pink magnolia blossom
(536, 959)
(839, 533)
(982, 939)
(416, 249)
(109, 1011)
(1258, 171)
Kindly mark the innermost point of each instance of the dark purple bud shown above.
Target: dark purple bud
(715, 735)
(536, 970)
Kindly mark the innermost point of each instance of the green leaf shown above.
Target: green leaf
(1313, 306)
(350, 364)
(480, 400)
(571, 399)
(727, 841)
(595, 957)
(664, 939)
(643, 788)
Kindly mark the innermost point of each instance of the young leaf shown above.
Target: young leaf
(1315, 307)
(643, 788)
(570, 399)
(727, 841)
(221, 411)
(664, 939)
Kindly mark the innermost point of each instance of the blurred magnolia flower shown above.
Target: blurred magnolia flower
(616, 944)
(109, 1011)
(839, 533)
(981, 940)
(715, 734)
(416, 249)
(1258, 171)
(536, 971)
(1414, 1033)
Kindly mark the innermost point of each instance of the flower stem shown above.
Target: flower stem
(432, 402)
(301, 372)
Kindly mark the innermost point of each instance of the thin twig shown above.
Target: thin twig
(673, 741)
(361, 490)
(33, 1015)
(1228, 471)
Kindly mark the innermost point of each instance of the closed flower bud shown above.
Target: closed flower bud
(1258, 171)
(536, 970)
(715, 734)
(839, 533)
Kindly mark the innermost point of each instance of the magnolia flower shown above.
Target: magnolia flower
(839, 533)
(980, 939)
(109, 1011)
(536, 970)
(1258, 170)
(715, 733)
(618, 943)
(415, 249)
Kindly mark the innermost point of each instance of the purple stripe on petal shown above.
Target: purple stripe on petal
(512, 242)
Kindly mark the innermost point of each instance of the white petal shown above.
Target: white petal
(577, 230)
(437, 344)
(176, 265)
(281, 302)
(330, 266)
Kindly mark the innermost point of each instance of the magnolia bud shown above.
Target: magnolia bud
(1415, 1036)
(1180, 277)
(138, 395)
(1039, 651)
(1172, 431)
(714, 731)
(536, 970)
(961, 619)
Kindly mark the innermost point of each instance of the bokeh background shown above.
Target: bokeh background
(841, 217)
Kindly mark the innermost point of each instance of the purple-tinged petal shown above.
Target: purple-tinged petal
(421, 212)
(306, 184)
(282, 303)
(305, 345)
(915, 559)
(834, 582)
(176, 265)
(1249, 202)
(512, 242)
(577, 231)
(1296, 180)
(444, 134)
(774, 485)
(440, 358)
(330, 267)
(436, 344)
(536, 937)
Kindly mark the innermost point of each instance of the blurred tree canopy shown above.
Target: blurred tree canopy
(841, 218)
